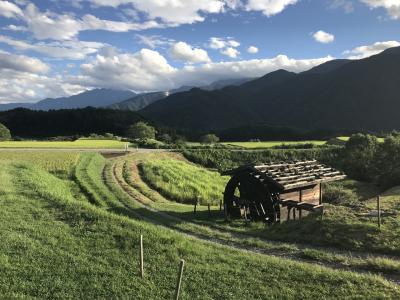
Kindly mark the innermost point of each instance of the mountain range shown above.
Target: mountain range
(115, 99)
(93, 98)
(340, 94)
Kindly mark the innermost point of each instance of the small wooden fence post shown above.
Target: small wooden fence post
(141, 257)
(179, 282)
(196, 202)
(378, 200)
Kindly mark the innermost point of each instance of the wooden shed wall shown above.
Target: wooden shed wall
(310, 195)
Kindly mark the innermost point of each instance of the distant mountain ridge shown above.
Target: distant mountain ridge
(142, 100)
(340, 94)
(93, 98)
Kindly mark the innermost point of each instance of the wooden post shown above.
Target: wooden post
(196, 202)
(226, 212)
(141, 256)
(320, 193)
(209, 209)
(179, 282)
(294, 213)
(379, 211)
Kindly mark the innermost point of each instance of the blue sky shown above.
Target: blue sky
(52, 48)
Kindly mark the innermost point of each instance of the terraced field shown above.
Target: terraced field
(77, 237)
(78, 144)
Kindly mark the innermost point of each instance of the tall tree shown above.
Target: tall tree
(141, 130)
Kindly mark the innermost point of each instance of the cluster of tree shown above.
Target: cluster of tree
(67, 122)
(365, 158)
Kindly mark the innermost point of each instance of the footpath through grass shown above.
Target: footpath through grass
(78, 144)
(55, 247)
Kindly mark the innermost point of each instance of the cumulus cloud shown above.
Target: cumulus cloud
(269, 7)
(10, 10)
(369, 50)
(230, 52)
(220, 43)
(252, 50)
(18, 86)
(170, 11)
(392, 6)
(148, 70)
(75, 50)
(323, 37)
(21, 63)
(143, 70)
(185, 52)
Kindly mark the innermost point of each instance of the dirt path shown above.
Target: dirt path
(230, 241)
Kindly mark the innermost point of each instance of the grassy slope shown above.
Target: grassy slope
(56, 247)
(78, 144)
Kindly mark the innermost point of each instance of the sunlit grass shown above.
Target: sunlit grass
(270, 144)
(48, 160)
(78, 144)
(184, 182)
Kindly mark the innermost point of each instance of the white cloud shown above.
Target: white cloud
(170, 11)
(369, 50)
(143, 70)
(75, 50)
(21, 63)
(148, 70)
(49, 25)
(346, 5)
(252, 50)
(392, 6)
(184, 52)
(10, 10)
(18, 86)
(14, 28)
(269, 7)
(220, 43)
(231, 52)
(153, 41)
(323, 37)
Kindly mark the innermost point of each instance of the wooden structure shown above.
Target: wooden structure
(271, 192)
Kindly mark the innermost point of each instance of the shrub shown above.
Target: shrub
(209, 139)
(5, 134)
(359, 156)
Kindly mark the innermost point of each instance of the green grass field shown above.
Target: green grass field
(264, 145)
(57, 247)
(49, 160)
(77, 237)
(184, 182)
(78, 144)
(346, 138)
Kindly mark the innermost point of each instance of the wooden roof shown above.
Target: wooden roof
(292, 175)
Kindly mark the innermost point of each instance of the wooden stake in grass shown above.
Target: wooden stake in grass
(179, 282)
(378, 200)
(141, 257)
